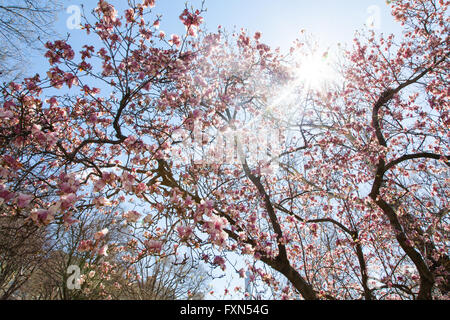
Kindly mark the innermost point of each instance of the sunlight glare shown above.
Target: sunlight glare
(315, 70)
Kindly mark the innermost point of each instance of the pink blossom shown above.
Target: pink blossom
(153, 245)
(127, 181)
(130, 140)
(140, 188)
(24, 200)
(193, 31)
(190, 19)
(102, 250)
(101, 202)
(148, 218)
(148, 3)
(109, 12)
(99, 185)
(175, 40)
(219, 261)
(85, 245)
(70, 79)
(6, 114)
(41, 216)
(51, 139)
(184, 231)
(174, 198)
(188, 201)
(68, 201)
(214, 228)
(132, 216)
(68, 221)
(248, 249)
(5, 194)
(101, 234)
(129, 15)
(197, 113)
(67, 183)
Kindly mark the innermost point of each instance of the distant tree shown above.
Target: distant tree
(22, 24)
(105, 271)
(22, 250)
(166, 279)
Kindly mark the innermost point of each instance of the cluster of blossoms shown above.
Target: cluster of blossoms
(215, 228)
(192, 21)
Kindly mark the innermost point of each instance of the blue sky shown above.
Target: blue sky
(279, 21)
(331, 21)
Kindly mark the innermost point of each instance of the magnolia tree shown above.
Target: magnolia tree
(222, 145)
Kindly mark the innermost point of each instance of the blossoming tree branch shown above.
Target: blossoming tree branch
(218, 141)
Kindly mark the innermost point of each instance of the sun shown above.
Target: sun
(311, 70)
(315, 70)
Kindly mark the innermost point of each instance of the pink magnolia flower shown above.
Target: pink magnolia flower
(148, 218)
(184, 231)
(68, 200)
(6, 114)
(140, 188)
(174, 198)
(5, 194)
(68, 184)
(129, 15)
(153, 245)
(313, 228)
(51, 138)
(219, 261)
(197, 113)
(109, 12)
(193, 31)
(23, 200)
(38, 134)
(41, 216)
(9, 104)
(148, 3)
(188, 201)
(85, 245)
(248, 249)
(99, 185)
(132, 216)
(102, 250)
(175, 40)
(127, 181)
(190, 19)
(68, 221)
(101, 234)
(130, 140)
(101, 202)
(70, 79)
(214, 228)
